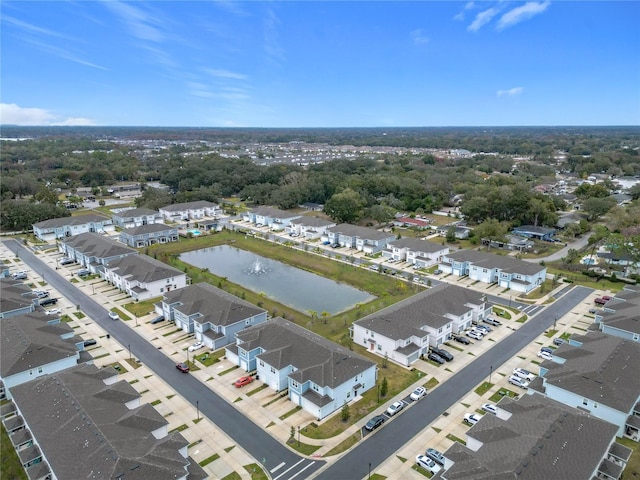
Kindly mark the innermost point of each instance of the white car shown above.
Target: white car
(472, 418)
(525, 374)
(489, 407)
(428, 464)
(418, 393)
(196, 346)
(474, 335)
(54, 311)
(394, 408)
(545, 355)
(518, 382)
(114, 316)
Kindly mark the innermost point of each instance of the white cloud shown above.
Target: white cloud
(272, 46)
(225, 74)
(140, 24)
(460, 15)
(512, 92)
(12, 114)
(524, 12)
(418, 36)
(482, 19)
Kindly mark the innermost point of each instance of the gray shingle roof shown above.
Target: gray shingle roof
(14, 295)
(417, 245)
(427, 308)
(149, 228)
(94, 245)
(135, 212)
(179, 207)
(142, 268)
(542, 439)
(314, 222)
(316, 359)
(274, 212)
(76, 220)
(502, 262)
(216, 306)
(87, 434)
(360, 232)
(534, 229)
(28, 341)
(604, 369)
(624, 316)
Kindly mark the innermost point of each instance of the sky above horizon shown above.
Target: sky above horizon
(319, 64)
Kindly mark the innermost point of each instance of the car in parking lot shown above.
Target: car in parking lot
(394, 408)
(19, 276)
(114, 316)
(40, 293)
(91, 341)
(471, 418)
(434, 357)
(473, 334)
(66, 261)
(489, 407)
(418, 393)
(525, 374)
(48, 301)
(593, 310)
(54, 311)
(461, 339)
(427, 463)
(547, 349)
(242, 381)
(545, 355)
(518, 382)
(375, 422)
(437, 272)
(435, 455)
(442, 353)
(558, 341)
(83, 272)
(183, 367)
(483, 328)
(196, 346)
(492, 321)
(157, 320)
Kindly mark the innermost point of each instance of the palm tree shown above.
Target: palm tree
(324, 316)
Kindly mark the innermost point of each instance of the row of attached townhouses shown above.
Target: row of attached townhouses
(16, 299)
(274, 218)
(363, 239)
(149, 234)
(507, 272)
(56, 228)
(405, 331)
(418, 252)
(94, 251)
(320, 376)
(135, 217)
(178, 212)
(309, 228)
(620, 316)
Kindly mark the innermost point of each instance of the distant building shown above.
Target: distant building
(197, 210)
(135, 217)
(308, 227)
(16, 298)
(421, 253)
(274, 218)
(147, 235)
(367, 240)
(57, 228)
(532, 231)
(620, 317)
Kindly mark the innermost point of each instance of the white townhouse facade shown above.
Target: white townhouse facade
(135, 217)
(319, 375)
(150, 234)
(506, 271)
(178, 212)
(143, 277)
(93, 251)
(274, 218)
(309, 228)
(404, 332)
(421, 253)
(57, 228)
(363, 239)
(212, 314)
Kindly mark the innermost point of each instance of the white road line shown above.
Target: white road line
(290, 468)
(290, 478)
(278, 467)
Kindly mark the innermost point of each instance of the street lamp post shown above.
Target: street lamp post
(490, 372)
(298, 435)
(136, 320)
(378, 393)
(197, 410)
(369, 470)
(94, 288)
(129, 346)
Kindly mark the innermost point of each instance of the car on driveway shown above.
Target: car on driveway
(518, 382)
(428, 464)
(242, 381)
(492, 321)
(474, 335)
(442, 353)
(48, 301)
(461, 339)
(54, 311)
(83, 272)
(483, 328)
(375, 422)
(196, 346)
(91, 341)
(66, 261)
(114, 316)
(437, 272)
(471, 418)
(434, 357)
(157, 320)
(19, 276)
(558, 341)
(183, 367)
(489, 407)
(418, 393)
(525, 374)
(545, 355)
(394, 408)
(435, 455)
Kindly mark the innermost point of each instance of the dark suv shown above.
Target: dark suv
(442, 353)
(48, 301)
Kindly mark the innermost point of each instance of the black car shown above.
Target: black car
(91, 341)
(436, 358)
(48, 301)
(375, 422)
(442, 353)
(157, 320)
(463, 340)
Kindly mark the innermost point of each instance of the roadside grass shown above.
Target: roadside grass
(522, 319)
(456, 439)
(140, 309)
(632, 470)
(294, 410)
(579, 279)
(123, 316)
(345, 445)
(257, 390)
(550, 333)
(210, 358)
(483, 388)
(11, 466)
(256, 472)
(503, 392)
(303, 448)
(502, 313)
(208, 460)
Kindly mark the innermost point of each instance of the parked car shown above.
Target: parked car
(242, 381)
(434, 357)
(157, 320)
(48, 301)
(549, 350)
(484, 328)
(54, 311)
(492, 321)
(428, 464)
(375, 422)
(40, 293)
(196, 346)
(437, 272)
(66, 261)
(489, 407)
(19, 276)
(394, 408)
(91, 341)
(83, 272)
(442, 353)
(545, 355)
(474, 335)
(600, 301)
(326, 243)
(518, 382)
(558, 341)
(463, 340)
(525, 374)
(471, 418)
(435, 455)
(418, 393)
(593, 310)
(114, 316)
(183, 367)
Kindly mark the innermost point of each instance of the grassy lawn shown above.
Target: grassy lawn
(484, 388)
(303, 448)
(11, 466)
(632, 470)
(256, 472)
(209, 358)
(140, 309)
(495, 398)
(121, 314)
(344, 445)
(209, 460)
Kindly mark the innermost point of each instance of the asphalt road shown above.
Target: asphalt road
(389, 438)
(283, 463)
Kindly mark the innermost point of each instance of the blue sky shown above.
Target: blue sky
(320, 64)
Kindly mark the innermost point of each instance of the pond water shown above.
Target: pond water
(298, 289)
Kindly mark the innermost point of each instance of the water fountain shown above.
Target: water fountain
(257, 268)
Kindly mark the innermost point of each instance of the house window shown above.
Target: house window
(294, 384)
(261, 363)
(273, 370)
(40, 370)
(585, 402)
(379, 347)
(348, 394)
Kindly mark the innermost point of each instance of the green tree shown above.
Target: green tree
(345, 414)
(384, 387)
(491, 230)
(595, 207)
(451, 234)
(345, 206)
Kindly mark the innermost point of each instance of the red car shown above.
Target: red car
(183, 367)
(242, 381)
